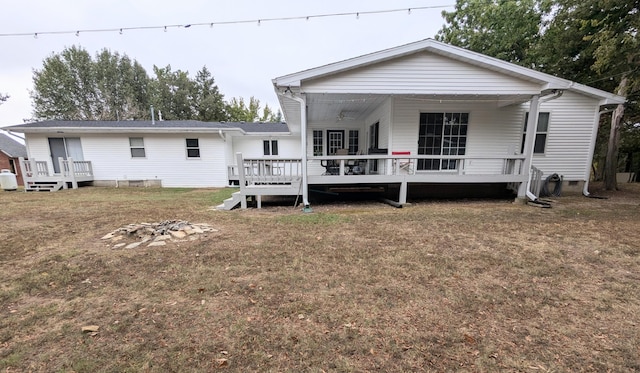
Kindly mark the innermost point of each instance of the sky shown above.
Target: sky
(242, 57)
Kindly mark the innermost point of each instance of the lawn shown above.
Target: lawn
(465, 286)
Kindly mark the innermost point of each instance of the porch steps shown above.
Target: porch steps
(231, 202)
(44, 186)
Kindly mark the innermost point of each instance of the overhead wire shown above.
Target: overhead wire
(258, 21)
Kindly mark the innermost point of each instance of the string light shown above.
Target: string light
(210, 24)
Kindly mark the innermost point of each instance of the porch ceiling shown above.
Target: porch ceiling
(336, 107)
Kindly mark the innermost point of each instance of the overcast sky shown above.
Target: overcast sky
(243, 58)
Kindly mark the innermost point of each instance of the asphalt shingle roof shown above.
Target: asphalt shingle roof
(164, 124)
(11, 147)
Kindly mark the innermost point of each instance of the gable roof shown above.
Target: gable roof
(164, 126)
(11, 147)
(547, 82)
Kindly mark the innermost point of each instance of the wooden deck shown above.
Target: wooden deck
(38, 176)
(274, 176)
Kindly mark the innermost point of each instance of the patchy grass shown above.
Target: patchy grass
(441, 286)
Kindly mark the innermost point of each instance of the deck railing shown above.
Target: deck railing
(411, 164)
(71, 171)
(267, 171)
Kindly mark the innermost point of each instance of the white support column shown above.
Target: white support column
(241, 180)
(303, 137)
(529, 143)
(403, 193)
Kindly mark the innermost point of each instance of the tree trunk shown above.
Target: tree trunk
(611, 161)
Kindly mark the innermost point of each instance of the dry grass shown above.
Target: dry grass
(441, 286)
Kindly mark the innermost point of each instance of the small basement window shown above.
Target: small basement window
(193, 148)
(136, 144)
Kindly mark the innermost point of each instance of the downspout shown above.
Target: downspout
(303, 138)
(530, 137)
(585, 188)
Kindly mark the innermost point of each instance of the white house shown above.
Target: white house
(159, 153)
(417, 114)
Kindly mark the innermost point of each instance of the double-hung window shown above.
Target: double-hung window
(136, 144)
(542, 129)
(270, 147)
(193, 148)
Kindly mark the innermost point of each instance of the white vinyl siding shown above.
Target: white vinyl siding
(110, 155)
(569, 136)
(491, 132)
(422, 73)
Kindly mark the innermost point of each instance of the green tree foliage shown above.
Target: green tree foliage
(504, 29)
(239, 111)
(208, 101)
(172, 93)
(72, 85)
(592, 42)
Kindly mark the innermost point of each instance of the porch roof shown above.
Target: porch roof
(147, 126)
(538, 82)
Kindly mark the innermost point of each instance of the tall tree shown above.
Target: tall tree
(208, 102)
(72, 85)
(504, 29)
(172, 93)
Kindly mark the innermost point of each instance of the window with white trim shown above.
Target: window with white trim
(193, 148)
(136, 144)
(318, 143)
(442, 134)
(270, 147)
(542, 129)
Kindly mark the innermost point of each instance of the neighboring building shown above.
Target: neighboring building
(10, 151)
(424, 113)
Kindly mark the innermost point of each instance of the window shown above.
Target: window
(12, 166)
(442, 134)
(374, 129)
(193, 148)
(270, 147)
(318, 149)
(541, 133)
(137, 147)
(353, 141)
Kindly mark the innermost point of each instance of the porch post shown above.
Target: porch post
(529, 142)
(241, 180)
(302, 100)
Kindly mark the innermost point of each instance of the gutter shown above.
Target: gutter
(554, 95)
(303, 131)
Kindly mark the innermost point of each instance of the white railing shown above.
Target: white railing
(382, 164)
(70, 171)
(267, 171)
